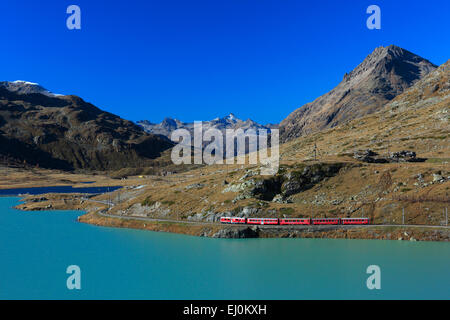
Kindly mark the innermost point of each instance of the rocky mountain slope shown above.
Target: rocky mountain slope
(384, 74)
(65, 132)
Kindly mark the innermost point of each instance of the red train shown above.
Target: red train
(262, 221)
(296, 221)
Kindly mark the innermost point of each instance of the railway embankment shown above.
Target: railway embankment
(216, 230)
(97, 213)
(372, 232)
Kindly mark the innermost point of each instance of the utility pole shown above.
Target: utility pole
(446, 217)
(403, 216)
(109, 199)
(388, 151)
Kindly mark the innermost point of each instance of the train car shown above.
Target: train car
(239, 220)
(269, 221)
(355, 221)
(295, 221)
(326, 221)
(233, 220)
(225, 220)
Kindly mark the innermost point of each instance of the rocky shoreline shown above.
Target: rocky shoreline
(214, 230)
(97, 214)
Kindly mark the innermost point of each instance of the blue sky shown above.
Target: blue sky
(196, 60)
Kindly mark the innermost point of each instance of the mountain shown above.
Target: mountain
(165, 128)
(384, 74)
(24, 87)
(417, 120)
(168, 125)
(65, 132)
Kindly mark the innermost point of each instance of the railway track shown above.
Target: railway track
(323, 227)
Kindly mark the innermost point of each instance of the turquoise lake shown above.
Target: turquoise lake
(37, 247)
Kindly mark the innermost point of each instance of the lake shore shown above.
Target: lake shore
(96, 209)
(214, 230)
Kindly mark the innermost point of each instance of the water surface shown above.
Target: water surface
(56, 189)
(37, 247)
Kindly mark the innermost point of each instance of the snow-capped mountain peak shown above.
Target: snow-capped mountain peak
(168, 125)
(26, 87)
(21, 82)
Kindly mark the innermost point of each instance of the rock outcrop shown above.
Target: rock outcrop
(236, 233)
(283, 185)
(370, 156)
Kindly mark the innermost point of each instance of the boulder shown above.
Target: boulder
(237, 233)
